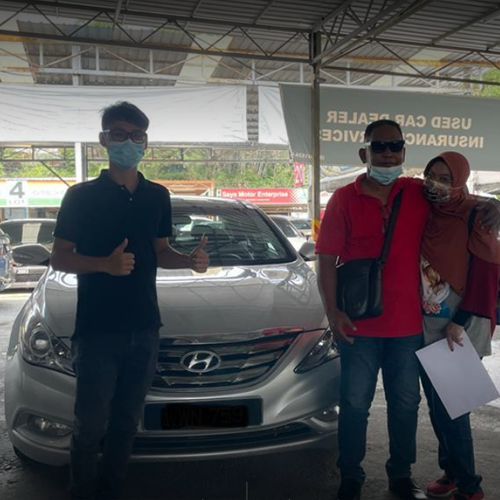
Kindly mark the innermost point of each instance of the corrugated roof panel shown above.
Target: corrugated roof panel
(438, 18)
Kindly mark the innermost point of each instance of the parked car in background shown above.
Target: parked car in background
(295, 237)
(6, 263)
(246, 365)
(303, 225)
(28, 232)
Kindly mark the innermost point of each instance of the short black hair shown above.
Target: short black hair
(124, 111)
(381, 123)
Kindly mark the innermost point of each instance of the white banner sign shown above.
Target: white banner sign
(272, 128)
(53, 113)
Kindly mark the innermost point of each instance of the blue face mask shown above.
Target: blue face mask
(126, 154)
(385, 175)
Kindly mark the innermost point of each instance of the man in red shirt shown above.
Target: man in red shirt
(353, 227)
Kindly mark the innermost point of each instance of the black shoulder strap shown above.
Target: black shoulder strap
(472, 218)
(390, 228)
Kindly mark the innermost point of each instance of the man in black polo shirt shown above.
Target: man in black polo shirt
(112, 232)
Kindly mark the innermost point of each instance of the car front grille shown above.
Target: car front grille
(213, 443)
(241, 362)
(28, 278)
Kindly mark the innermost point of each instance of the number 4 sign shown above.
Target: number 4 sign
(16, 193)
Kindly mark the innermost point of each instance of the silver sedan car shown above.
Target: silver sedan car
(246, 366)
(23, 232)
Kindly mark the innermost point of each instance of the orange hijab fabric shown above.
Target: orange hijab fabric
(447, 242)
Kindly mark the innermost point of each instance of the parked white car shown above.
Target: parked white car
(28, 232)
(267, 372)
(295, 237)
(303, 225)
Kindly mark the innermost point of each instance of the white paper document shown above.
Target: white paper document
(459, 377)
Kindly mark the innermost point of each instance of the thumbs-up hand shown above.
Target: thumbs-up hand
(119, 262)
(198, 258)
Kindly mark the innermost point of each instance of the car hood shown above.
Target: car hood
(225, 300)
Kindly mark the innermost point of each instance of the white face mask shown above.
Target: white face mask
(385, 175)
(437, 192)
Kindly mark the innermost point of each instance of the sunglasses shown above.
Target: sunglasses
(119, 135)
(381, 146)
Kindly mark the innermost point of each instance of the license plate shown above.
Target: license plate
(22, 270)
(197, 416)
(239, 413)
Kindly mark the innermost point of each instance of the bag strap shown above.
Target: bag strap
(390, 228)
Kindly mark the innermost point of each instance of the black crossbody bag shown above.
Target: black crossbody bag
(359, 281)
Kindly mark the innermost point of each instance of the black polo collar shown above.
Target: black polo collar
(105, 178)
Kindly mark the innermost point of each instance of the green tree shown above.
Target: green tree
(229, 167)
(491, 90)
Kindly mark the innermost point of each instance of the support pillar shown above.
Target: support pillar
(315, 206)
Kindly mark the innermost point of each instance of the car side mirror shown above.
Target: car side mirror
(307, 251)
(31, 255)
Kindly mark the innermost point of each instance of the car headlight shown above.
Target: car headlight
(324, 350)
(39, 346)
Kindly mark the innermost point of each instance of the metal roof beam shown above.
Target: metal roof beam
(364, 27)
(15, 36)
(30, 37)
(333, 14)
(156, 16)
(438, 46)
(194, 11)
(264, 11)
(5, 21)
(117, 11)
(196, 8)
(385, 47)
(402, 59)
(381, 28)
(494, 64)
(482, 18)
(492, 45)
(118, 74)
(407, 75)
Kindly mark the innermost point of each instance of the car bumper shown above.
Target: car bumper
(293, 422)
(27, 279)
(5, 283)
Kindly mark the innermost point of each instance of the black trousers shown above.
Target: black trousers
(113, 374)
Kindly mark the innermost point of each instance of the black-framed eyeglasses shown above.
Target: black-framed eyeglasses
(120, 135)
(381, 146)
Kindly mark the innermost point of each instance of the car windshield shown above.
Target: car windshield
(236, 235)
(287, 228)
(29, 232)
(301, 223)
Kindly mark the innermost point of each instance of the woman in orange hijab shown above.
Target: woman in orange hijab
(460, 268)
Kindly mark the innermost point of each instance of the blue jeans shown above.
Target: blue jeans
(456, 448)
(113, 376)
(360, 366)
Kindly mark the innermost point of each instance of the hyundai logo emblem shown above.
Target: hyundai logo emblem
(200, 361)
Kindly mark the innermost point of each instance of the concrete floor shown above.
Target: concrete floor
(305, 476)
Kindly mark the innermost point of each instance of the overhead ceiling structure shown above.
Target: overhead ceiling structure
(159, 42)
(440, 45)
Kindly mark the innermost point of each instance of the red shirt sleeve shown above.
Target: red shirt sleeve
(332, 235)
